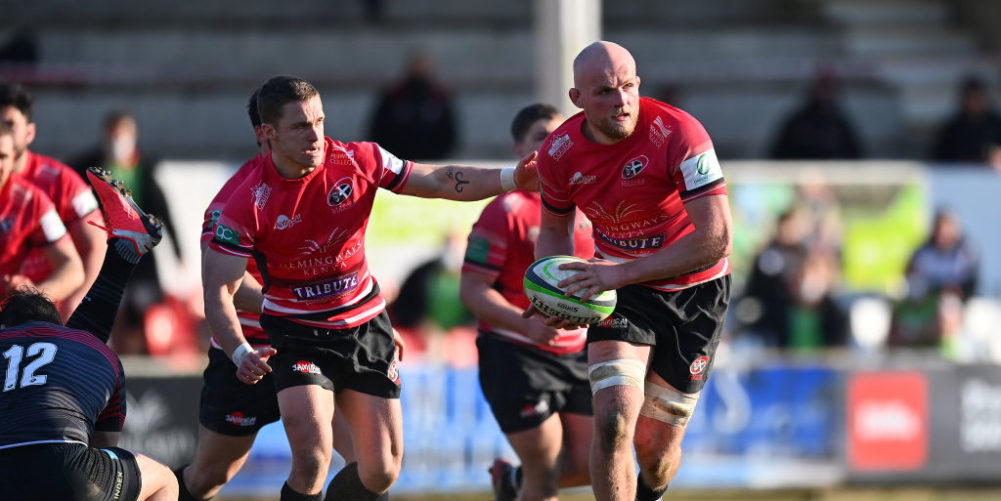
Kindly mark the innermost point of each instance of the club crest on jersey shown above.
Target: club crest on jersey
(659, 132)
(341, 192)
(261, 194)
(560, 146)
(634, 167)
(305, 367)
(698, 367)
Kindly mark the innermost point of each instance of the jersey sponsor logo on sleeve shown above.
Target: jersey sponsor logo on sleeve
(478, 250)
(701, 170)
(340, 192)
(214, 217)
(634, 167)
(226, 235)
(579, 178)
(698, 367)
(284, 221)
(390, 161)
(52, 226)
(560, 146)
(334, 287)
(261, 194)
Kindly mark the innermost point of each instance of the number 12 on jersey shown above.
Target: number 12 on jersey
(15, 355)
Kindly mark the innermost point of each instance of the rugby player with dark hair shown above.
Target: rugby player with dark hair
(534, 376)
(303, 220)
(62, 407)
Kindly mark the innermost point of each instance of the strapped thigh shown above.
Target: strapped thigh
(668, 405)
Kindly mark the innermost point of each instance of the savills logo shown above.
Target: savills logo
(239, 419)
(284, 221)
(579, 178)
(305, 367)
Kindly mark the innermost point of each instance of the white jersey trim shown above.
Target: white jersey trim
(36, 442)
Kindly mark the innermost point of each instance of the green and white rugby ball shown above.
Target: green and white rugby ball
(540, 287)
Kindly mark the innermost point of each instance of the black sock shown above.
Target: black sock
(510, 484)
(96, 311)
(646, 493)
(290, 495)
(347, 486)
(182, 489)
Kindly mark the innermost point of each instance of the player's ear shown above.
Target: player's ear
(575, 97)
(29, 130)
(269, 131)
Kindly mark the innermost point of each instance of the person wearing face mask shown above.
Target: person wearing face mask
(119, 153)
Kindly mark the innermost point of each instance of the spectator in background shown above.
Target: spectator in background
(973, 133)
(118, 152)
(941, 276)
(789, 301)
(429, 297)
(819, 129)
(21, 47)
(414, 117)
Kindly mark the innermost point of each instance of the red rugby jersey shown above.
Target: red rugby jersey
(634, 191)
(308, 234)
(502, 245)
(249, 322)
(28, 221)
(72, 197)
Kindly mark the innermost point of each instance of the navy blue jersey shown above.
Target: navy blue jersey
(59, 385)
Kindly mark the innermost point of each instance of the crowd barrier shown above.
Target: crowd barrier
(773, 424)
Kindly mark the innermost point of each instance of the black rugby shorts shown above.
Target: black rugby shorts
(683, 328)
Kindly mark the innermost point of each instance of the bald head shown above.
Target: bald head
(601, 58)
(606, 88)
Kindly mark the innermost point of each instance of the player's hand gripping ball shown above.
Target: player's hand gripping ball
(540, 287)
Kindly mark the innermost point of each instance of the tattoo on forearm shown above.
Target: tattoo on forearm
(456, 175)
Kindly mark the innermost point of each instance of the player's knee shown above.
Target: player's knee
(378, 480)
(201, 479)
(310, 464)
(657, 461)
(613, 430)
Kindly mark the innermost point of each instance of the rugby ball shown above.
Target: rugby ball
(540, 287)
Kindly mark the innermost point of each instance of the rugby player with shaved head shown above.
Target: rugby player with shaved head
(646, 175)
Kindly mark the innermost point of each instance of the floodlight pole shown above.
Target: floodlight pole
(562, 29)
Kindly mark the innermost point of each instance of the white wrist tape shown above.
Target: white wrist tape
(240, 353)
(507, 179)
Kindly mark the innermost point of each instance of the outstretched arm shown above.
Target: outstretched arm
(467, 182)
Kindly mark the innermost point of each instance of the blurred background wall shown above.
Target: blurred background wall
(813, 405)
